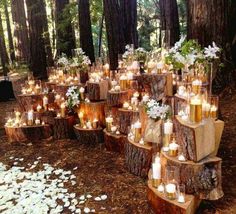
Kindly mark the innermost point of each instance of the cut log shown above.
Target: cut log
(28, 133)
(89, 136)
(94, 110)
(97, 91)
(143, 117)
(114, 142)
(154, 84)
(219, 127)
(116, 99)
(179, 101)
(160, 204)
(196, 141)
(202, 179)
(125, 119)
(47, 117)
(27, 102)
(138, 158)
(63, 127)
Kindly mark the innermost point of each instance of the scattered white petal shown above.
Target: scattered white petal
(82, 198)
(75, 168)
(104, 197)
(86, 210)
(97, 199)
(89, 196)
(81, 202)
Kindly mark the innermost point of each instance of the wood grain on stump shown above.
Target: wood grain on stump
(63, 127)
(138, 158)
(94, 110)
(196, 141)
(202, 179)
(125, 119)
(179, 101)
(114, 142)
(117, 99)
(28, 133)
(97, 91)
(89, 136)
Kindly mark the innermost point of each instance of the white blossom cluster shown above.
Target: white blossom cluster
(156, 111)
(23, 191)
(81, 58)
(73, 96)
(63, 61)
(211, 51)
(129, 50)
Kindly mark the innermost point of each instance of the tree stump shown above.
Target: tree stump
(143, 117)
(154, 84)
(179, 101)
(89, 136)
(202, 179)
(28, 133)
(125, 119)
(219, 127)
(116, 99)
(47, 117)
(196, 141)
(27, 102)
(97, 91)
(63, 127)
(160, 204)
(94, 110)
(138, 158)
(114, 142)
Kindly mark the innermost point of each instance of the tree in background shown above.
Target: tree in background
(9, 33)
(36, 20)
(21, 39)
(169, 21)
(65, 38)
(86, 39)
(3, 49)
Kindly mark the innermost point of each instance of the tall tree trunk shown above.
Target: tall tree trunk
(4, 56)
(10, 39)
(47, 37)
(211, 21)
(52, 10)
(100, 35)
(129, 11)
(170, 21)
(86, 38)
(38, 62)
(115, 33)
(64, 30)
(20, 30)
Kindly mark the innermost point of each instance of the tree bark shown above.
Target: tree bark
(10, 39)
(170, 21)
(3, 49)
(38, 61)
(100, 36)
(86, 38)
(115, 34)
(65, 39)
(20, 30)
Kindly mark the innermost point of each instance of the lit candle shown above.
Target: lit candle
(181, 158)
(81, 91)
(113, 129)
(30, 116)
(136, 94)
(195, 110)
(31, 84)
(156, 174)
(37, 121)
(39, 108)
(168, 130)
(43, 123)
(9, 122)
(206, 109)
(161, 188)
(113, 83)
(29, 91)
(23, 90)
(63, 110)
(81, 118)
(106, 68)
(171, 191)
(141, 141)
(37, 89)
(60, 73)
(137, 131)
(181, 198)
(45, 103)
(126, 105)
(173, 149)
(89, 125)
(213, 112)
(58, 115)
(95, 124)
(196, 86)
(123, 83)
(134, 102)
(109, 121)
(117, 88)
(57, 99)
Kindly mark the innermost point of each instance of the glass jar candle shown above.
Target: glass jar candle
(196, 109)
(123, 83)
(109, 121)
(137, 131)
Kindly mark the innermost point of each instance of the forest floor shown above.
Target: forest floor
(102, 172)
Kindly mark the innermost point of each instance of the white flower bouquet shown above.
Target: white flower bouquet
(73, 97)
(80, 60)
(63, 61)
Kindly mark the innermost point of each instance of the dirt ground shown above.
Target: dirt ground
(103, 172)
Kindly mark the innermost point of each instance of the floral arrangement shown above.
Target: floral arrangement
(80, 60)
(73, 97)
(187, 53)
(138, 54)
(63, 61)
(157, 111)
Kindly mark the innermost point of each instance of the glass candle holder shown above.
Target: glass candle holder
(171, 174)
(196, 109)
(181, 193)
(173, 148)
(214, 101)
(137, 131)
(109, 121)
(167, 132)
(156, 172)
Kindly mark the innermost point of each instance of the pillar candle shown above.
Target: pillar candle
(45, 103)
(63, 110)
(109, 121)
(195, 110)
(137, 131)
(30, 117)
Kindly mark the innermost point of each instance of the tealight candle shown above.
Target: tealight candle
(58, 115)
(126, 105)
(181, 158)
(161, 188)
(171, 191)
(195, 110)
(39, 108)
(181, 198)
(30, 118)
(43, 123)
(109, 121)
(117, 132)
(141, 141)
(89, 125)
(63, 110)
(37, 121)
(24, 91)
(117, 88)
(173, 149)
(81, 91)
(31, 84)
(45, 103)
(213, 112)
(137, 131)
(113, 129)
(95, 124)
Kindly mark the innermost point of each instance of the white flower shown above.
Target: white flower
(155, 110)
(211, 51)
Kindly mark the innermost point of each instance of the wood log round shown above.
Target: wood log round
(116, 99)
(28, 133)
(97, 91)
(114, 142)
(202, 179)
(196, 141)
(125, 119)
(89, 136)
(138, 158)
(47, 117)
(154, 84)
(94, 110)
(63, 127)
(27, 102)
(178, 102)
(160, 204)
